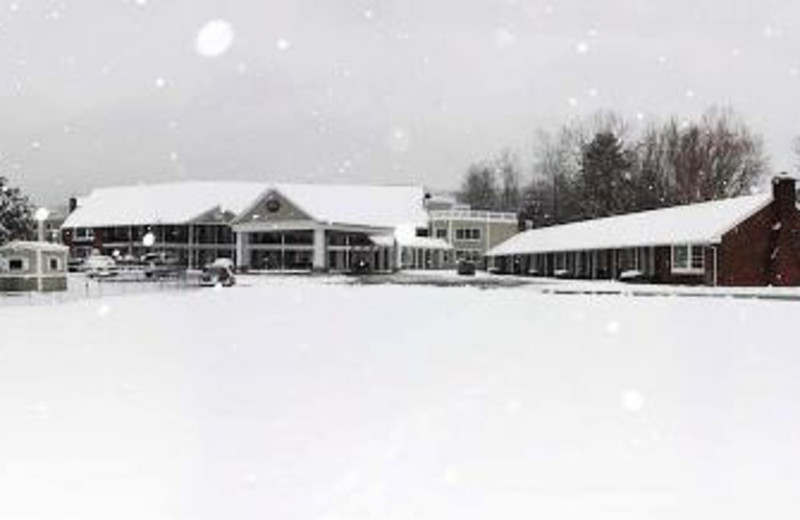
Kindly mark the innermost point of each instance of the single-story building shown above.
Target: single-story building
(33, 266)
(743, 241)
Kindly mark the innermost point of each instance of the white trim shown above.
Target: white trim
(689, 256)
(33, 275)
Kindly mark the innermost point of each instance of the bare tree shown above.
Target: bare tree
(713, 158)
(508, 170)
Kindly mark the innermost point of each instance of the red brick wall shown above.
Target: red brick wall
(754, 253)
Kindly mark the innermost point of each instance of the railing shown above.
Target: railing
(462, 214)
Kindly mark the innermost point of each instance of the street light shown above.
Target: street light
(40, 216)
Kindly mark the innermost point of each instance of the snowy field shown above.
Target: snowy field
(311, 398)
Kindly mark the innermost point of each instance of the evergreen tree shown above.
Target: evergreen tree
(606, 178)
(16, 214)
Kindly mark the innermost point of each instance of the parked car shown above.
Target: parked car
(219, 273)
(75, 265)
(100, 266)
(465, 268)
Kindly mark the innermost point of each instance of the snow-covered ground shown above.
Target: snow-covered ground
(313, 398)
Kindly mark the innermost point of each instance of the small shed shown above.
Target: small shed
(33, 266)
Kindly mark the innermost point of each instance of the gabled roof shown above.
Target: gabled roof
(703, 223)
(365, 205)
(172, 203)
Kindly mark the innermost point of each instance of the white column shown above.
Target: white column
(190, 249)
(39, 261)
(241, 258)
(398, 256)
(319, 263)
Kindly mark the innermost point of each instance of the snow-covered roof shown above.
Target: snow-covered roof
(24, 245)
(179, 203)
(378, 206)
(172, 203)
(702, 223)
(406, 236)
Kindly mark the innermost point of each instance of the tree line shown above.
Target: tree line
(597, 167)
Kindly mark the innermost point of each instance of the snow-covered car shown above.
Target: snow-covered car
(219, 273)
(100, 266)
(160, 265)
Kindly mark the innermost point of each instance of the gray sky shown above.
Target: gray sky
(98, 92)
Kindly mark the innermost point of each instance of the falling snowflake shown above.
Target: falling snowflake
(399, 140)
(282, 44)
(160, 82)
(633, 401)
(612, 327)
(214, 39)
(582, 47)
(450, 476)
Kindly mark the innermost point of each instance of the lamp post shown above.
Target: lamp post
(40, 216)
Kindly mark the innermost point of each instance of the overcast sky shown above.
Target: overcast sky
(99, 92)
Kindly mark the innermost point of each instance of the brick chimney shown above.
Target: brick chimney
(784, 191)
(784, 242)
(73, 204)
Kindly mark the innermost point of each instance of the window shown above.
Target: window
(698, 257)
(441, 233)
(16, 264)
(54, 264)
(473, 234)
(688, 259)
(84, 234)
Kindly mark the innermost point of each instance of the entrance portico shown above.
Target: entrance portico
(306, 246)
(276, 234)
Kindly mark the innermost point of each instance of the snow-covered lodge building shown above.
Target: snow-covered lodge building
(744, 241)
(273, 226)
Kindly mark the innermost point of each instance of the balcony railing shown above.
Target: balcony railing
(471, 214)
